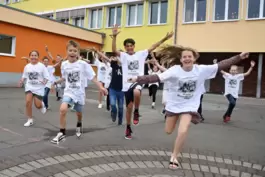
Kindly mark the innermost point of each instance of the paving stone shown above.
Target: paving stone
(18, 170)
(207, 174)
(153, 152)
(257, 166)
(219, 160)
(234, 173)
(114, 166)
(247, 164)
(131, 164)
(107, 153)
(204, 168)
(114, 152)
(162, 153)
(10, 173)
(158, 164)
(228, 161)
(68, 158)
(43, 162)
(244, 174)
(43, 172)
(257, 176)
(214, 170)
(97, 169)
(51, 160)
(140, 164)
(99, 154)
(194, 156)
(35, 164)
(198, 174)
(211, 158)
(149, 164)
(195, 167)
(91, 154)
(123, 165)
(185, 155)
(32, 174)
(76, 156)
(80, 172)
(236, 162)
(60, 159)
(105, 167)
(202, 157)
(60, 175)
(71, 174)
(130, 152)
(186, 166)
(89, 170)
(83, 155)
(188, 173)
(27, 167)
(122, 152)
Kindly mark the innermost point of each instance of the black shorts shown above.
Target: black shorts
(129, 95)
(34, 95)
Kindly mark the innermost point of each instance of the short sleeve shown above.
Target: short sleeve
(208, 71)
(123, 57)
(89, 72)
(63, 71)
(52, 69)
(25, 75)
(168, 74)
(240, 77)
(225, 76)
(97, 62)
(46, 74)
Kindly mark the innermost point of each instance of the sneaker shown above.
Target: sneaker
(202, 119)
(48, 108)
(153, 105)
(58, 98)
(226, 119)
(59, 137)
(43, 109)
(78, 132)
(128, 133)
(113, 116)
(99, 106)
(136, 118)
(28, 123)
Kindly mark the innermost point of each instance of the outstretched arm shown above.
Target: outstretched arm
(224, 64)
(48, 52)
(252, 64)
(164, 39)
(223, 72)
(114, 35)
(102, 55)
(161, 68)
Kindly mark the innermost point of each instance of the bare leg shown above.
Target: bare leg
(29, 100)
(170, 124)
(37, 103)
(63, 111)
(129, 113)
(137, 98)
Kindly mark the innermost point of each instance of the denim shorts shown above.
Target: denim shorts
(77, 107)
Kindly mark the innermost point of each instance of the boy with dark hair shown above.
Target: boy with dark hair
(133, 64)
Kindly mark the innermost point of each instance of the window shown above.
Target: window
(158, 12)
(256, 9)
(7, 45)
(226, 10)
(64, 20)
(6, 1)
(48, 16)
(79, 21)
(63, 16)
(114, 16)
(194, 11)
(96, 19)
(134, 14)
(14, 1)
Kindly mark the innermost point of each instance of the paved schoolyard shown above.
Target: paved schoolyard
(212, 148)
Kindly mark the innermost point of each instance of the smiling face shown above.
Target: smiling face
(187, 59)
(155, 68)
(129, 47)
(233, 70)
(34, 56)
(72, 53)
(46, 61)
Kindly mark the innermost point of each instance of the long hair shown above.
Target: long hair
(171, 54)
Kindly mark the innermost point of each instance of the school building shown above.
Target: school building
(21, 32)
(216, 28)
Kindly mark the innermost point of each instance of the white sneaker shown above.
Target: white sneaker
(28, 123)
(59, 137)
(99, 106)
(78, 132)
(43, 109)
(153, 105)
(105, 98)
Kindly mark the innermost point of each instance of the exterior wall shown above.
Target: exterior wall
(226, 36)
(144, 35)
(28, 39)
(217, 84)
(263, 78)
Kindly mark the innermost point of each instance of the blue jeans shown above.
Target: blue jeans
(231, 106)
(45, 97)
(116, 96)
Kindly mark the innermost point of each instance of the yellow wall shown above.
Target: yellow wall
(233, 36)
(144, 35)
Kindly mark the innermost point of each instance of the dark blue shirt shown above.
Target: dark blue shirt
(116, 79)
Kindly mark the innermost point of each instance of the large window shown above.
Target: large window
(95, 19)
(158, 12)
(226, 10)
(194, 11)
(50, 15)
(7, 1)
(134, 14)
(114, 16)
(78, 17)
(78, 21)
(256, 9)
(63, 16)
(7, 45)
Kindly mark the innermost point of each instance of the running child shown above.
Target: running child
(133, 64)
(36, 76)
(184, 94)
(74, 73)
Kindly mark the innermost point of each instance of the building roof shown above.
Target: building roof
(31, 20)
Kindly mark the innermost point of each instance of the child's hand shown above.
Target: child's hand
(132, 80)
(252, 63)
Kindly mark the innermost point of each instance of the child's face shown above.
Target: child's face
(233, 70)
(155, 68)
(72, 53)
(187, 58)
(129, 48)
(58, 58)
(34, 57)
(46, 62)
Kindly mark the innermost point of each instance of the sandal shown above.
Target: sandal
(173, 163)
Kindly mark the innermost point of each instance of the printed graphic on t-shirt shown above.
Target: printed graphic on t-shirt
(73, 79)
(119, 72)
(102, 69)
(232, 83)
(187, 88)
(133, 67)
(33, 77)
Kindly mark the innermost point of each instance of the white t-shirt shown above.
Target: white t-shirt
(151, 72)
(108, 76)
(51, 70)
(132, 66)
(102, 69)
(76, 75)
(186, 87)
(232, 83)
(34, 75)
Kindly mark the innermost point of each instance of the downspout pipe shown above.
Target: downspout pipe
(176, 22)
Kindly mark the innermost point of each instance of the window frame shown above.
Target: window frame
(194, 14)
(15, 1)
(159, 12)
(136, 15)
(90, 16)
(13, 47)
(80, 18)
(261, 11)
(6, 2)
(226, 12)
(115, 15)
